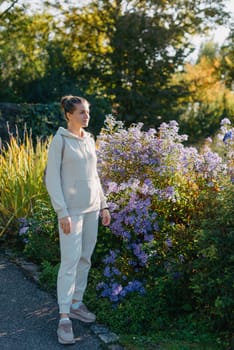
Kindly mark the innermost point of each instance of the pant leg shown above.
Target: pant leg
(89, 239)
(70, 250)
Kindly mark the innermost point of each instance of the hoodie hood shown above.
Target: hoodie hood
(64, 132)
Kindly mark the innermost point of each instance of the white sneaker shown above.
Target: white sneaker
(65, 332)
(82, 314)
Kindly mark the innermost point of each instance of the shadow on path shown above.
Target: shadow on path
(29, 316)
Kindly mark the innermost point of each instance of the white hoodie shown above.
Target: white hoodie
(72, 180)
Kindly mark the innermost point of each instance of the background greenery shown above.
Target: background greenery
(128, 59)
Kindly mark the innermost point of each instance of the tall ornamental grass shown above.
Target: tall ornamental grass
(21, 168)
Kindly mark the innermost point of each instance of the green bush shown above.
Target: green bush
(41, 119)
(44, 119)
(48, 276)
(42, 238)
(212, 281)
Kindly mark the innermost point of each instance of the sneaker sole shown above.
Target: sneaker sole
(81, 318)
(65, 342)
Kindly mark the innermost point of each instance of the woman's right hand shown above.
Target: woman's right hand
(65, 224)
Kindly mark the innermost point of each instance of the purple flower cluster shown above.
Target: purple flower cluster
(116, 291)
(228, 136)
(134, 215)
(143, 173)
(23, 229)
(224, 145)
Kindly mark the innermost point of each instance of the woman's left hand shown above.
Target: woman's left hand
(106, 218)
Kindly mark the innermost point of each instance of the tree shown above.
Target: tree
(207, 99)
(23, 54)
(7, 5)
(123, 51)
(210, 50)
(51, 58)
(227, 66)
(129, 50)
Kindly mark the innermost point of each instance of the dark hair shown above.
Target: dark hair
(69, 102)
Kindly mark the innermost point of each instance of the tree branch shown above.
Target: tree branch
(8, 8)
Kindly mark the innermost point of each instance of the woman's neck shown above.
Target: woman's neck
(77, 131)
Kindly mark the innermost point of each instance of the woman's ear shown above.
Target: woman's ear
(68, 116)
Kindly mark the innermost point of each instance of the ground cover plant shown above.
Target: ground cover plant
(165, 263)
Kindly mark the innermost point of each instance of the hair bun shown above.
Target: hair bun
(64, 100)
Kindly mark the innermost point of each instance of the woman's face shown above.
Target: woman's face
(80, 117)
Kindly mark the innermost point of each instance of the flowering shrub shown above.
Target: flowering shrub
(224, 145)
(156, 188)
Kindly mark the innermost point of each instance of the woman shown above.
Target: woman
(77, 197)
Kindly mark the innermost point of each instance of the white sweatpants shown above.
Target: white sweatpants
(76, 249)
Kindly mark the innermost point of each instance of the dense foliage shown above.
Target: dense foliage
(123, 53)
(208, 100)
(43, 120)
